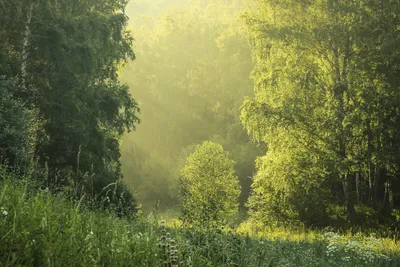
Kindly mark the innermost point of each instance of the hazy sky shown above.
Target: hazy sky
(151, 7)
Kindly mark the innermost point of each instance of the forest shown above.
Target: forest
(199, 133)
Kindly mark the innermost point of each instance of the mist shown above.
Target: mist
(190, 76)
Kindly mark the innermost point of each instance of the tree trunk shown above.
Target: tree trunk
(340, 87)
(388, 195)
(358, 188)
(348, 198)
(371, 172)
(25, 53)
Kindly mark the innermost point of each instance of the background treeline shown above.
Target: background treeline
(63, 109)
(323, 104)
(190, 80)
(327, 105)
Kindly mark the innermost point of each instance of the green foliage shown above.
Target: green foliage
(326, 106)
(42, 229)
(67, 57)
(210, 189)
(190, 76)
(357, 251)
(38, 228)
(18, 126)
(168, 248)
(120, 199)
(326, 99)
(288, 187)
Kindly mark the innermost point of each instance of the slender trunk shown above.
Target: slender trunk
(348, 198)
(341, 91)
(346, 178)
(385, 196)
(25, 53)
(135, 156)
(375, 181)
(390, 193)
(388, 196)
(358, 188)
(371, 173)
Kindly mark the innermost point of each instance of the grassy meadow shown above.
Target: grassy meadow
(39, 228)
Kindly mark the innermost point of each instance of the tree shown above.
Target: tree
(65, 57)
(210, 189)
(191, 94)
(18, 127)
(323, 105)
(69, 72)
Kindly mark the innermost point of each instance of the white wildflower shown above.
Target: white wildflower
(347, 258)
(3, 211)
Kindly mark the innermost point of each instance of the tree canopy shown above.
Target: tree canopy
(326, 105)
(210, 189)
(65, 57)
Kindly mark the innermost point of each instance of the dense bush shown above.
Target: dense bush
(17, 126)
(210, 189)
(121, 199)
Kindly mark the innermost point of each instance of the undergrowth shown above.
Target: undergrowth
(39, 228)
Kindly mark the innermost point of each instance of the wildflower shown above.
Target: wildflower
(3, 211)
(347, 258)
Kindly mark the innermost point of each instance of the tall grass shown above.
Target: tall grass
(39, 228)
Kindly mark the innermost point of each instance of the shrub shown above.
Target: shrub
(18, 126)
(120, 199)
(210, 189)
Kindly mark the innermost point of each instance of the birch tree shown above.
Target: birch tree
(322, 102)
